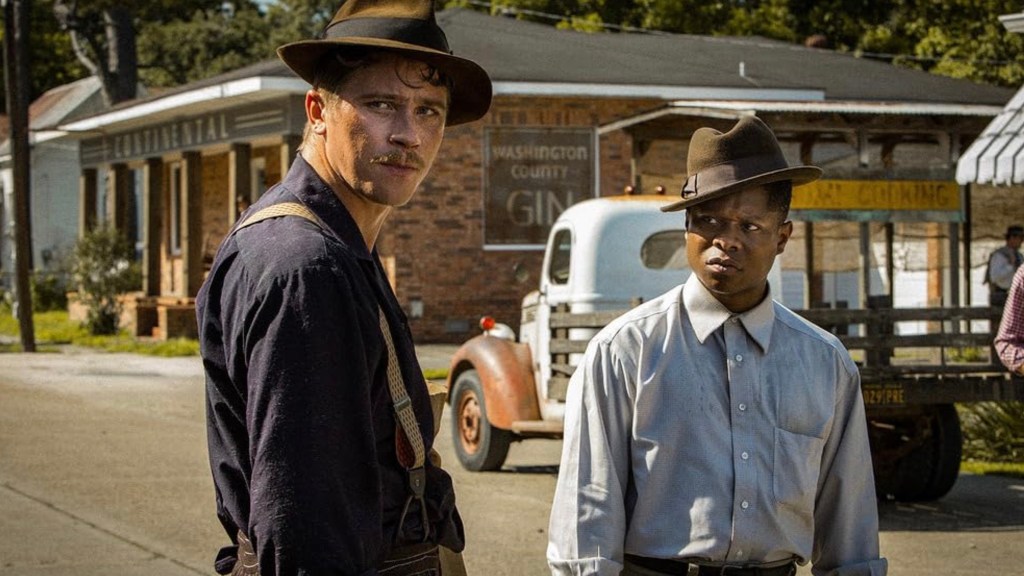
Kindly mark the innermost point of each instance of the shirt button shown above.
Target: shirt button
(744, 504)
(742, 407)
(745, 456)
(739, 357)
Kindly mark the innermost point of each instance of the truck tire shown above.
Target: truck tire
(928, 470)
(947, 453)
(478, 445)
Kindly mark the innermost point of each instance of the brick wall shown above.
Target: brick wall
(437, 240)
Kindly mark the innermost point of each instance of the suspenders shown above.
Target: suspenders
(409, 442)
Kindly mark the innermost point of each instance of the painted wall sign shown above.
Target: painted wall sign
(530, 176)
(868, 195)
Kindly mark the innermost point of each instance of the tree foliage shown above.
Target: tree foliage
(958, 38)
(51, 59)
(180, 41)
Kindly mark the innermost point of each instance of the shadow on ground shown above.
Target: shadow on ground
(976, 503)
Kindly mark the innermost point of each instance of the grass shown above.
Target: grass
(435, 374)
(54, 328)
(1014, 469)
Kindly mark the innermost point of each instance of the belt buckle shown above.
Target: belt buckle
(723, 570)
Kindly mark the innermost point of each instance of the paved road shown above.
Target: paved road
(103, 472)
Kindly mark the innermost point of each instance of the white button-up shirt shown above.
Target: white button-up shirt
(696, 434)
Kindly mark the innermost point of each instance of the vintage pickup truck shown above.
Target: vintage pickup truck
(605, 255)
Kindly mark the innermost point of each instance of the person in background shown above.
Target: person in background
(712, 430)
(1002, 263)
(318, 417)
(241, 205)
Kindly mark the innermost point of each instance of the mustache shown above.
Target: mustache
(408, 159)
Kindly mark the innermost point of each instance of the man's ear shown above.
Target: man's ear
(785, 231)
(315, 106)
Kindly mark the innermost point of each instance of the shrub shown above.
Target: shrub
(993, 431)
(49, 292)
(103, 267)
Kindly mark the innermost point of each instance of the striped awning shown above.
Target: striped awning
(997, 156)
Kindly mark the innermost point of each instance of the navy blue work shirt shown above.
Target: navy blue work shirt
(300, 423)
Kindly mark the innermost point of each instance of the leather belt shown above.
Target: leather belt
(681, 568)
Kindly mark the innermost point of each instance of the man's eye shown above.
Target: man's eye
(428, 111)
(751, 227)
(379, 105)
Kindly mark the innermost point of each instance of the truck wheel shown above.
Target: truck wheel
(478, 445)
(928, 462)
(947, 451)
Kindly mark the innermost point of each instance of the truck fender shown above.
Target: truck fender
(506, 374)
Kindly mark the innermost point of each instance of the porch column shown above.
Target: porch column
(118, 199)
(152, 216)
(239, 178)
(86, 201)
(289, 148)
(814, 282)
(191, 222)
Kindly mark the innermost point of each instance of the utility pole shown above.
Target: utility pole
(16, 79)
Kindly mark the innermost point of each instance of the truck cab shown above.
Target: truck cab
(603, 255)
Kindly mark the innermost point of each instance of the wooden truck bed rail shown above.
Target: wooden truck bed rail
(952, 361)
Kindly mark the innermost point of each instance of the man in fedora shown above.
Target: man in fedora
(319, 420)
(711, 430)
(1002, 263)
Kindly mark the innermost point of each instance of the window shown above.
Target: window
(176, 206)
(665, 251)
(561, 248)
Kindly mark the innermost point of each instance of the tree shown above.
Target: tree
(292, 20)
(959, 38)
(210, 43)
(51, 55)
(103, 35)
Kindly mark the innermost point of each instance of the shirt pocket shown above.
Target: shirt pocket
(797, 464)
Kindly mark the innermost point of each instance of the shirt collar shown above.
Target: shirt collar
(707, 314)
(305, 184)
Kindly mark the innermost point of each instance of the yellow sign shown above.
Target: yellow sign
(877, 195)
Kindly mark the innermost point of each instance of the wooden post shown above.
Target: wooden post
(239, 178)
(192, 223)
(289, 148)
(18, 84)
(86, 201)
(152, 217)
(814, 284)
(118, 203)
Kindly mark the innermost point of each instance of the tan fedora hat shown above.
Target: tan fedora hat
(748, 155)
(404, 26)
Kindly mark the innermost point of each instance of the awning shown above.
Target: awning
(997, 156)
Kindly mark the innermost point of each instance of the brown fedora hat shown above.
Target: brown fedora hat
(407, 27)
(748, 155)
